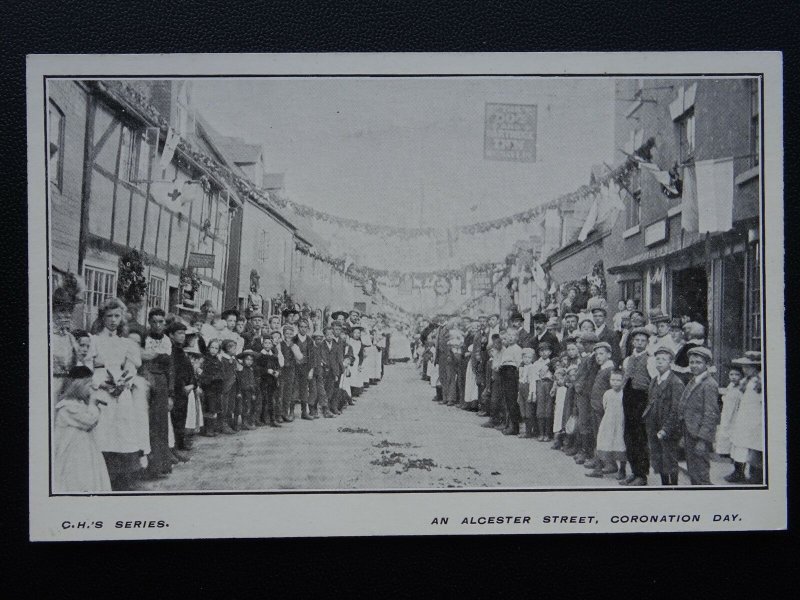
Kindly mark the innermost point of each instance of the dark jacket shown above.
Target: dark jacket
(549, 337)
(329, 360)
(601, 384)
(699, 408)
(307, 350)
(610, 336)
(663, 404)
(184, 372)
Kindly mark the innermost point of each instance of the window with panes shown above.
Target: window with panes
(101, 285)
(632, 290)
(155, 292)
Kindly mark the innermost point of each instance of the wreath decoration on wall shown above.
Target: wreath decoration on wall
(131, 284)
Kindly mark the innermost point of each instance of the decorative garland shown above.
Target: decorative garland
(189, 277)
(131, 282)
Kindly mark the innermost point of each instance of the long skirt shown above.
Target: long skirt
(544, 401)
(158, 421)
(470, 386)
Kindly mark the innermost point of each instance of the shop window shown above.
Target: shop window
(155, 292)
(55, 139)
(656, 289)
(632, 290)
(101, 285)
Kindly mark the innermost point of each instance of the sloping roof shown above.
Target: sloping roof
(240, 152)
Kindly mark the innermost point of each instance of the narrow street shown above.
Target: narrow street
(394, 437)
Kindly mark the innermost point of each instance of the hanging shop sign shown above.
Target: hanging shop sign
(510, 132)
(201, 261)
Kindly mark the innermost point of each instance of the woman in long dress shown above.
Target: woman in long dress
(747, 435)
(116, 361)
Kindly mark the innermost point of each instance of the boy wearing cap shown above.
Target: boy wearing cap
(662, 417)
(601, 384)
(637, 376)
(584, 379)
(183, 378)
(699, 411)
(246, 391)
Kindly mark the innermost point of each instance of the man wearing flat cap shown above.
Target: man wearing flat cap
(303, 367)
(635, 386)
(699, 412)
(584, 379)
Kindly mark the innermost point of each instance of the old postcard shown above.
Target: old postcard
(345, 295)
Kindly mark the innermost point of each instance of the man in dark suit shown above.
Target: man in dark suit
(699, 411)
(440, 358)
(516, 322)
(329, 362)
(606, 334)
(541, 334)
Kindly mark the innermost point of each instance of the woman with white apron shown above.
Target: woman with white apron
(356, 374)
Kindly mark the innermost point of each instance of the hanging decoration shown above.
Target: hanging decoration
(131, 282)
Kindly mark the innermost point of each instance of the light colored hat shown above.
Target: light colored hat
(703, 352)
(664, 350)
(599, 345)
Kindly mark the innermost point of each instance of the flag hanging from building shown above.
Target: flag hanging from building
(714, 185)
(589, 224)
(169, 149)
(662, 177)
(689, 201)
(539, 276)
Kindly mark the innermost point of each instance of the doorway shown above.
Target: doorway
(690, 294)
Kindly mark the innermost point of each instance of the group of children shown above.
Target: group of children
(617, 414)
(130, 400)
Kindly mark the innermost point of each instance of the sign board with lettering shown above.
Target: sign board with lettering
(510, 132)
(201, 261)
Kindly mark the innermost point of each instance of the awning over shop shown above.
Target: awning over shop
(692, 242)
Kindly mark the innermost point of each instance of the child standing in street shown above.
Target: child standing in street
(78, 464)
(527, 389)
(228, 390)
(246, 392)
(731, 398)
(544, 401)
(610, 436)
(211, 384)
(559, 393)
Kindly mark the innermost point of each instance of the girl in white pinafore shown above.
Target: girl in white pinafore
(119, 429)
(470, 384)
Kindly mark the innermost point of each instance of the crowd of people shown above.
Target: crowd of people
(622, 394)
(129, 400)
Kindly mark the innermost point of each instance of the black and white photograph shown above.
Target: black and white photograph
(320, 286)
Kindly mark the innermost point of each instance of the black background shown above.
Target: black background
(515, 566)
